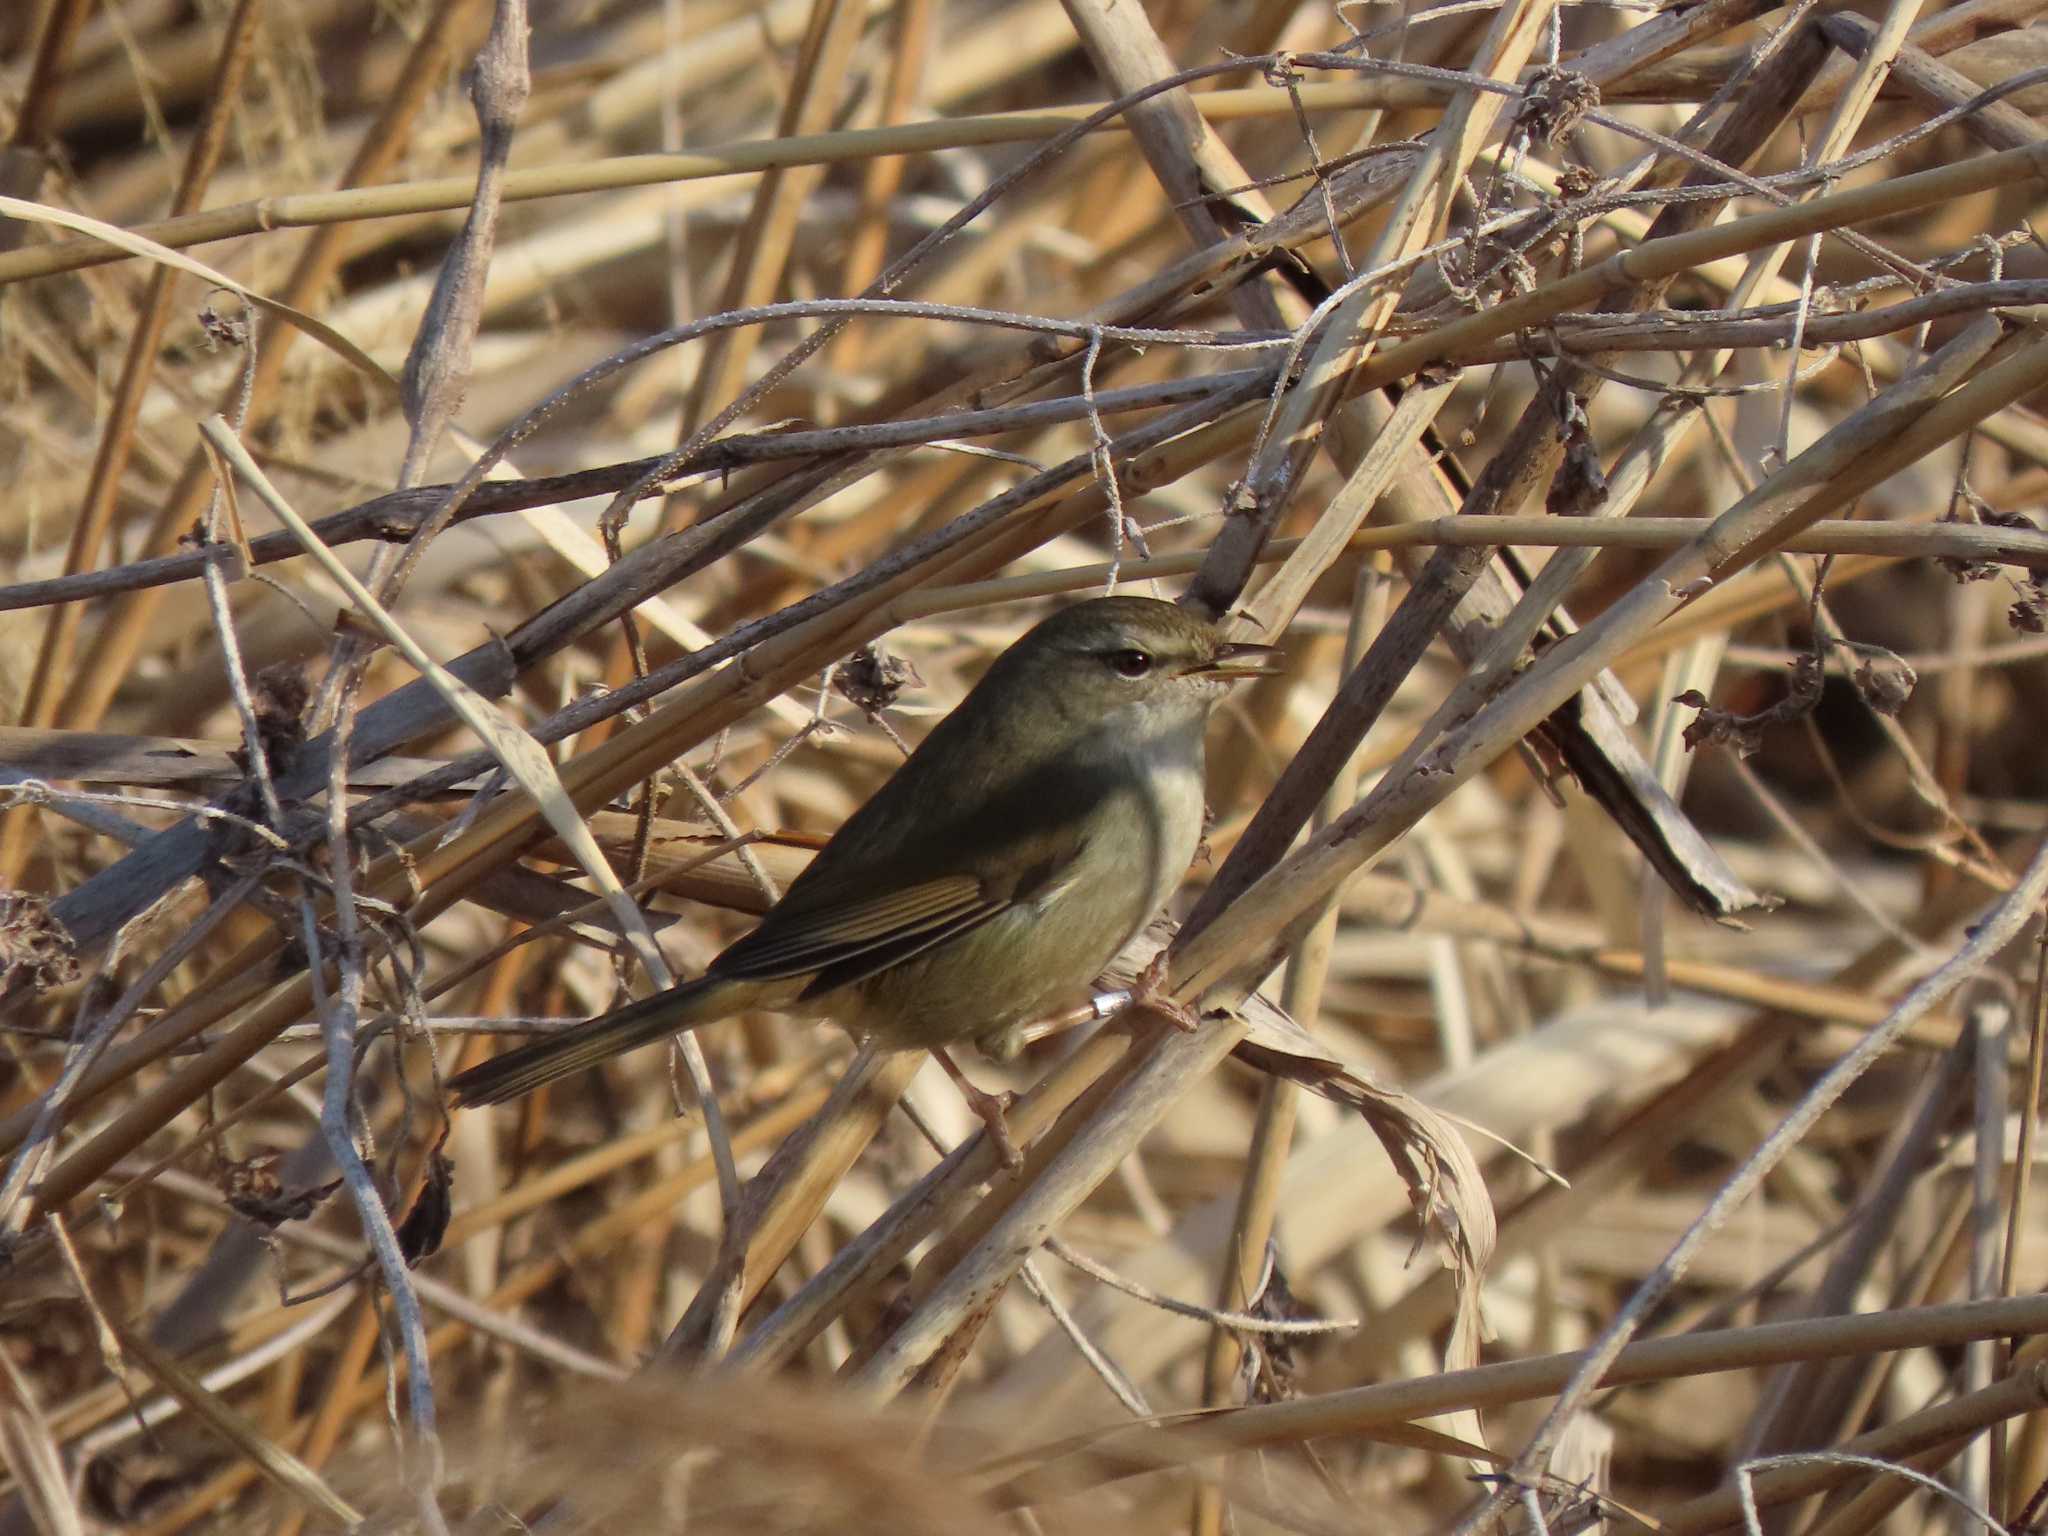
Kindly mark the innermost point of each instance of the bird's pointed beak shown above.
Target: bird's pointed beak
(1241, 659)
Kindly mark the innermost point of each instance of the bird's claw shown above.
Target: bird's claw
(1150, 993)
(990, 1108)
(993, 1108)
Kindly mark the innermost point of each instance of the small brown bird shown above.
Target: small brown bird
(1020, 847)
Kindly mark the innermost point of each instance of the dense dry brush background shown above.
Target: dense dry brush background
(1665, 940)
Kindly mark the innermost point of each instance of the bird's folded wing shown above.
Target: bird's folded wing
(855, 937)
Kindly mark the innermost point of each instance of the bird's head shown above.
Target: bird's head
(1133, 658)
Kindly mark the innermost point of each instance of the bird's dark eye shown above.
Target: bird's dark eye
(1128, 663)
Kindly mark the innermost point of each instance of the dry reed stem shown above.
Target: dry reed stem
(1484, 1386)
(1054, 314)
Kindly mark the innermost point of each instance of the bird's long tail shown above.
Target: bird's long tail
(530, 1066)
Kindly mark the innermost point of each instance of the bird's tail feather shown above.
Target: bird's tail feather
(520, 1071)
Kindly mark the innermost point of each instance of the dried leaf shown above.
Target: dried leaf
(1444, 1183)
(1884, 678)
(35, 951)
(1744, 734)
(420, 1233)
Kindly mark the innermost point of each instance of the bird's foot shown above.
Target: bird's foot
(991, 1108)
(1150, 993)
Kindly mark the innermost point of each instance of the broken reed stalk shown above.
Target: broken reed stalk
(1095, 1110)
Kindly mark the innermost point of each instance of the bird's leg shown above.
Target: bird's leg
(1149, 991)
(1009, 1044)
(989, 1106)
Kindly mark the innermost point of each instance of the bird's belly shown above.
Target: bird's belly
(1014, 968)
(1038, 957)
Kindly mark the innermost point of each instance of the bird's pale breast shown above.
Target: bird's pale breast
(1040, 955)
